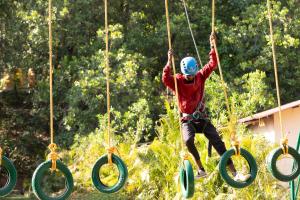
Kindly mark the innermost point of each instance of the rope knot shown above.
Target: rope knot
(52, 147)
(110, 151)
(236, 146)
(184, 155)
(53, 156)
(284, 145)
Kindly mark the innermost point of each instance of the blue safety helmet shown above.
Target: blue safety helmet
(189, 66)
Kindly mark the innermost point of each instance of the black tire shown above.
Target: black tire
(123, 174)
(38, 176)
(271, 164)
(187, 184)
(223, 171)
(12, 176)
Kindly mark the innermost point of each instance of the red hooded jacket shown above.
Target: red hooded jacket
(190, 94)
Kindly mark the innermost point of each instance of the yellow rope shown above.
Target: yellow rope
(53, 155)
(107, 73)
(213, 16)
(284, 141)
(50, 70)
(1, 156)
(174, 70)
(232, 120)
(111, 149)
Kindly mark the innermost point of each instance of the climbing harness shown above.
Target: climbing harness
(111, 157)
(284, 149)
(236, 149)
(53, 162)
(199, 113)
(186, 171)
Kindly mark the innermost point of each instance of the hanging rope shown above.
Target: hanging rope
(284, 140)
(53, 155)
(51, 69)
(174, 71)
(110, 149)
(111, 157)
(191, 31)
(107, 74)
(231, 125)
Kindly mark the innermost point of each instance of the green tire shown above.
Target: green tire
(187, 184)
(223, 171)
(271, 164)
(12, 176)
(38, 176)
(123, 174)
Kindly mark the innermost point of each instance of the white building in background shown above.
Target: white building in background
(267, 123)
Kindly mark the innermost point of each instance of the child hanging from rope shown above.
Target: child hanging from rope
(191, 102)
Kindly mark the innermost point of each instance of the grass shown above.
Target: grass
(17, 197)
(75, 196)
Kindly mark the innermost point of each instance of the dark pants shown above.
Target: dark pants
(189, 130)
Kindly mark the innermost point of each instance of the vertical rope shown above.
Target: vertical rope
(107, 74)
(218, 59)
(174, 69)
(230, 114)
(213, 16)
(275, 68)
(222, 80)
(191, 31)
(53, 156)
(50, 70)
(110, 149)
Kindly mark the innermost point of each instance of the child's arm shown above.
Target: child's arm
(212, 64)
(167, 77)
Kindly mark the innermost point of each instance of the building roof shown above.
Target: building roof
(269, 112)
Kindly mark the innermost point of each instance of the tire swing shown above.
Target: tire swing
(111, 157)
(186, 174)
(236, 149)
(11, 172)
(53, 163)
(186, 179)
(284, 149)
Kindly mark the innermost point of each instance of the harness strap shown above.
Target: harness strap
(199, 113)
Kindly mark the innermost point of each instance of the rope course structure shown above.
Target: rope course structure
(236, 149)
(53, 163)
(285, 149)
(186, 177)
(111, 157)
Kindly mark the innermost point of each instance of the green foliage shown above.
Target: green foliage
(138, 47)
(252, 95)
(153, 169)
(246, 45)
